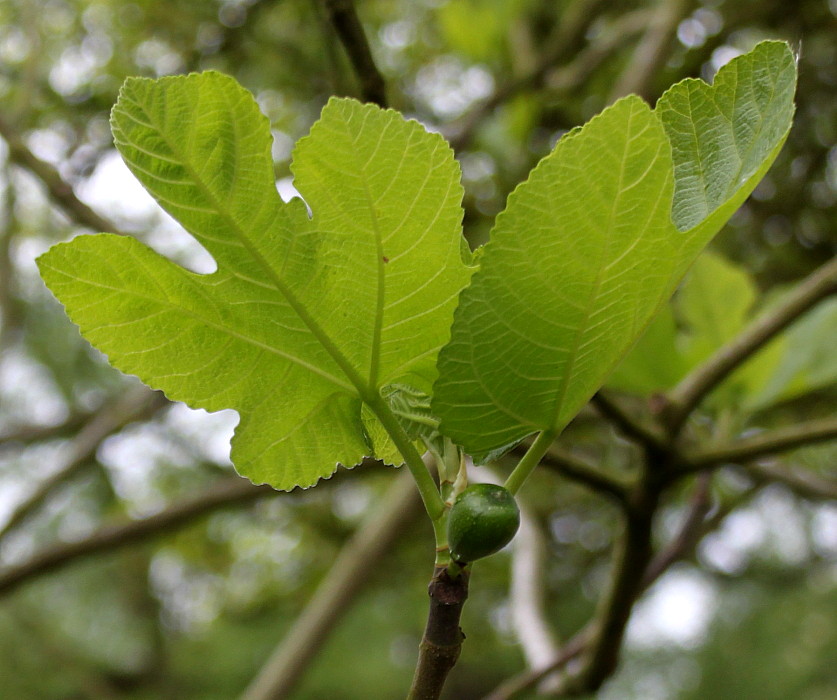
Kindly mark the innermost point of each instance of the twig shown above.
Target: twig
(526, 594)
(630, 426)
(225, 493)
(560, 79)
(584, 473)
(633, 554)
(768, 443)
(344, 19)
(571, 650)
(685, 397)
(652, 49)
(138, 404)
(801, 482)
(689, 534)
(60, 191)
(350, 574)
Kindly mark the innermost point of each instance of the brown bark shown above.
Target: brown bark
(442, 642)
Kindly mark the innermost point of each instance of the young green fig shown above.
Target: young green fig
(483, 519)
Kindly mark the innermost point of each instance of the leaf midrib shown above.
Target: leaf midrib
(217, 326)
(584, 324)
(356, 382)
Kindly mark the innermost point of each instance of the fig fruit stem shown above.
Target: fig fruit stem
(440, 530)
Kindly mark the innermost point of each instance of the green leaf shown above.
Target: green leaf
(595, 241)
(710, 307)
(305, 319)
(800, 360)
(654, 363)
(412, 408)
(713, 305)
(493, 17)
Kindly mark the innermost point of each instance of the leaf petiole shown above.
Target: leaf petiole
(427, 487)
(530, 460)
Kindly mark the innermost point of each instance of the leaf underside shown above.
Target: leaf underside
(710, 308)
(716, 300)
(592, 245)
(305, 316)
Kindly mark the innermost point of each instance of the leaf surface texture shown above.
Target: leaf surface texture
(595, 241)
(306, 316)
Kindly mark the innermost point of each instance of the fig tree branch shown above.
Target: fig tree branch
(768, 443)
(351, 573)
(686, 396)
(59, 190)
(343, 18)
(442, 640)
(652, 50)
(138, 404)
(229, 491)
(629, 425)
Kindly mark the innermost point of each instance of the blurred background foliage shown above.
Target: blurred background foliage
(194, 611)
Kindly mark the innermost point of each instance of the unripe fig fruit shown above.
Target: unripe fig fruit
(483, 520)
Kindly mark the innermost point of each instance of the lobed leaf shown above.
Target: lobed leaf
(594, 242)
(306, 317)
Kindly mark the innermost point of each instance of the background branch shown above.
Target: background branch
(802, 483)
(584, 473)
(526, 595)
(698, 522)
(138, 404)
(353, 571)
(10, 311)
(59, 190)
(600, 640)
(233, 490)
(630, 426)
(685, 397)
(652, 50)
(768, 443)
(344, 19)
(23, 435)
(687, 536)
(523, 681)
